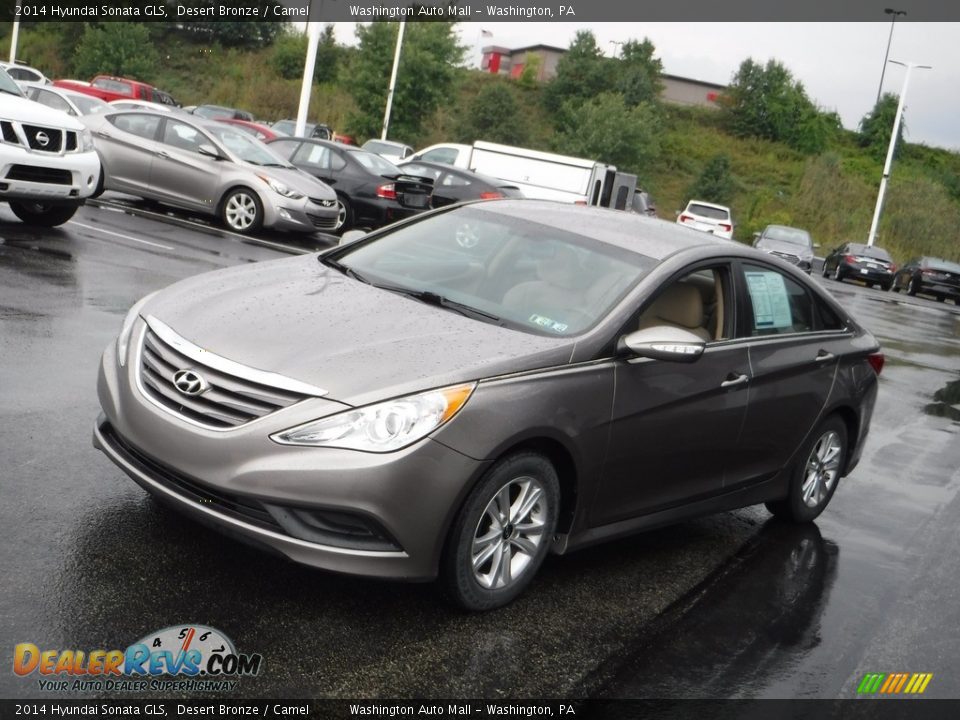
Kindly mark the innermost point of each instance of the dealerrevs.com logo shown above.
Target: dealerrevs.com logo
(180, 657)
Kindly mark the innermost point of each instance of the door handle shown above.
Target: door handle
(824, 356)
(733, 381)
(161, 153)
(101, 133)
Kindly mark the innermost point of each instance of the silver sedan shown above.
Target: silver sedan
(207, 167)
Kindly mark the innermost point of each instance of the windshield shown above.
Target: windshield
(794, 236)
(511, 271)
(87, 104)
(246, 148)
(7, 84)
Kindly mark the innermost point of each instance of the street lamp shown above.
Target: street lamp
(893, 142)
(886, 58)
(616, 47)
(393, 80)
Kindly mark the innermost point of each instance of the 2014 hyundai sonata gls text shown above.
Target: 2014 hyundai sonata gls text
(459, 394)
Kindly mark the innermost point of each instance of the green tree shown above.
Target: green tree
(494, 115)
(241, 33)
(116, 48)
(715, 184)
(876, 126)
(582, 73)
(531, 71)
(638, 72)
(766, 102)
(425, 78)
(290, 50)
(606, 129)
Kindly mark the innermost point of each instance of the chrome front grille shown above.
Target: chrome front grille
(323, 223)
(39, 138)
(794, 259)
(228, 401)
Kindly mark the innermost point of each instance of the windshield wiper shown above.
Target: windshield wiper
(348, 271)
(431, 298)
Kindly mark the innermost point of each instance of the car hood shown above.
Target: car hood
(311, 323)
(34, 113)
(296, 180)
(771, 245)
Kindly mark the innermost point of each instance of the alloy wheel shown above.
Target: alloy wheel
(822, 469)
(241, 211)
(509, 533)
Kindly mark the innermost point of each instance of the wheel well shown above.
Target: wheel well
(849, 418)
(562, 461)
(226, 194)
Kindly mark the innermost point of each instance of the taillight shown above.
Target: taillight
(876, 361)
(849, 259)
(490, 195)
(725, 227)
(893, 267)
(387, 192)
(684, 218)
(579, 202)
(928, 272)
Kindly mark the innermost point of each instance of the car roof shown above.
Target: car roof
(453, 169)
(708, 204)
(638, 233)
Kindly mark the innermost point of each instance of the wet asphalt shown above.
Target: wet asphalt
(733, 605)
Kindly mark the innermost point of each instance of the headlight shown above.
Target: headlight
(279, 188)
(123, 340)
(86, 140)
(383, 427)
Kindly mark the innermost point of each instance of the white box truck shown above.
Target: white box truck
(539, 175)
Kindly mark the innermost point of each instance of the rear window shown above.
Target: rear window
(943, 265)
(117, 86)
(708, 211)
(869, 251)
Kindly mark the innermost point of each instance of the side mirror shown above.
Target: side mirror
(210, 151)
(756, 236)
(816, 246)
(663, 342)
(350, 235)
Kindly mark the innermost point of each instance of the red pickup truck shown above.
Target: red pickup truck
(113, 88)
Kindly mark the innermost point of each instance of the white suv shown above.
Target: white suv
(707, 217)
(48, 166)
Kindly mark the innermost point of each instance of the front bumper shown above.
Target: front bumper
(302, 215)
(47, 177)
(245, 485)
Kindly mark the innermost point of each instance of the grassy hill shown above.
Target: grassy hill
(831, 194)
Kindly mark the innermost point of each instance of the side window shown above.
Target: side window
(451, 180)
(183, 136)
(316, 156)
(336, 161)
(144, 126)
(53, 100)
(441, 155)
(778, 304)
(420, 171)
(698, 302)
(285, 148)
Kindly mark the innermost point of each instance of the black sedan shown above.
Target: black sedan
(452, 184)
(856, 261)
(371, 191)
(930, 276)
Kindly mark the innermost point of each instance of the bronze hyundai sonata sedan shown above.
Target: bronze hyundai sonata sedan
(462, 393)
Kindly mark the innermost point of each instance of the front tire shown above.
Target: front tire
(344, 215)
(42, 214)
(815, 474)
(502, 533)
(242, 211)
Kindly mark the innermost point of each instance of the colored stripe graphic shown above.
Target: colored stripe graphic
(894, 683)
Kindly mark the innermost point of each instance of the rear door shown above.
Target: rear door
(795, 344)
(127, 143)
(624, 187)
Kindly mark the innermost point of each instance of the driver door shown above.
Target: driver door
(674, 425)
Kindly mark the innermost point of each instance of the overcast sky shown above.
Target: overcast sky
(838, 63)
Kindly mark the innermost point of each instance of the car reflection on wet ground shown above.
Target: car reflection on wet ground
(733, 605)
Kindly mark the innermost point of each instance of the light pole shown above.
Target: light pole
(393, 81)
(15, 35)
(886, 58)
(893, 143)
(309, 63)
(616, 48)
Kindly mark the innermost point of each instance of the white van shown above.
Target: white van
(539, 175)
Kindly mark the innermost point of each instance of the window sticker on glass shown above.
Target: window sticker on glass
(547, 323)
(771, 305)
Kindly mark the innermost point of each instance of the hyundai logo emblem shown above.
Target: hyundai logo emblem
(190, 383)
(42, 138)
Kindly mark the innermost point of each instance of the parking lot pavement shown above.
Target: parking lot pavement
(91, 562)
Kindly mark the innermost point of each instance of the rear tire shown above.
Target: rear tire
(838, 273)
(912, 287)
(815, 474)
(823, 271)
(42, 214)
(502, 533)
